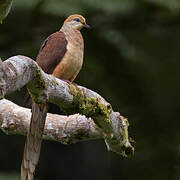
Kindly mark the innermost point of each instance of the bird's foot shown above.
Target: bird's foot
(75, 84)
(65, 80)
(69, 82)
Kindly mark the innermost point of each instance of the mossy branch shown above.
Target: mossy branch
(18, 71)
(91, 107)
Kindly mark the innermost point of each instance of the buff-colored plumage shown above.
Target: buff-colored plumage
(71, 63)
(62, 56)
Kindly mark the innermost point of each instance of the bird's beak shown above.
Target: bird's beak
(87, 26)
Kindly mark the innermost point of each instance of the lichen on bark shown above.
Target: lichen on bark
(91, 107)
(37, 88)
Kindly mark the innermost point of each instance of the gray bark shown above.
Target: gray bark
(18, 71)
(65, 129)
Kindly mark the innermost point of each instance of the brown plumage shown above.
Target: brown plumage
(61, 55)
(33, 142)
(52, 51)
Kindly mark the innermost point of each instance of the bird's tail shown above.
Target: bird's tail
(33, 141)
(27, 100)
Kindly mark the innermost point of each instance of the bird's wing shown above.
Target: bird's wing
(52, 51)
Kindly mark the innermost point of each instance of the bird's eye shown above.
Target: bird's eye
(77, 19)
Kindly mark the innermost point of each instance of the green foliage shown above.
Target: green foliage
(5, 6)
(173, 5)
(63, 7)
(12, 176)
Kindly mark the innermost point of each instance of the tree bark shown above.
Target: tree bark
(18, 71)
(65, 129)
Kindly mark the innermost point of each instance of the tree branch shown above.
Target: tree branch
(18, 71)
(65, 129)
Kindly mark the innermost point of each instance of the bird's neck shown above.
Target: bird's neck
(73, 36)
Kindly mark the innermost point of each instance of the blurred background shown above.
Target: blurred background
(132, 59)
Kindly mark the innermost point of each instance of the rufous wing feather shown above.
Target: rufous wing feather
(33, 142)
(52, 51)
(50, 55)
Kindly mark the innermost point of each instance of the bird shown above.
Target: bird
(61, 55)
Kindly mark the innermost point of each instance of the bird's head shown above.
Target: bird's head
(76, 21)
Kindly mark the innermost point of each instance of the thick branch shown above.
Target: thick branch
(18, 71)
(65, 129)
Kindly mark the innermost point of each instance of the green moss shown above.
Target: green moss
(37, 86)
(91, 107)
(40, 81)
(120, 142)
(124, 131)
(54, 82)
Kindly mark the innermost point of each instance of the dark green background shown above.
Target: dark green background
(132, 58)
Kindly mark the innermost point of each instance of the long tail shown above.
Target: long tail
(33, 142)
(27, 100)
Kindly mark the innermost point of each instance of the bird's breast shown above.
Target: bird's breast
(71, 63)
